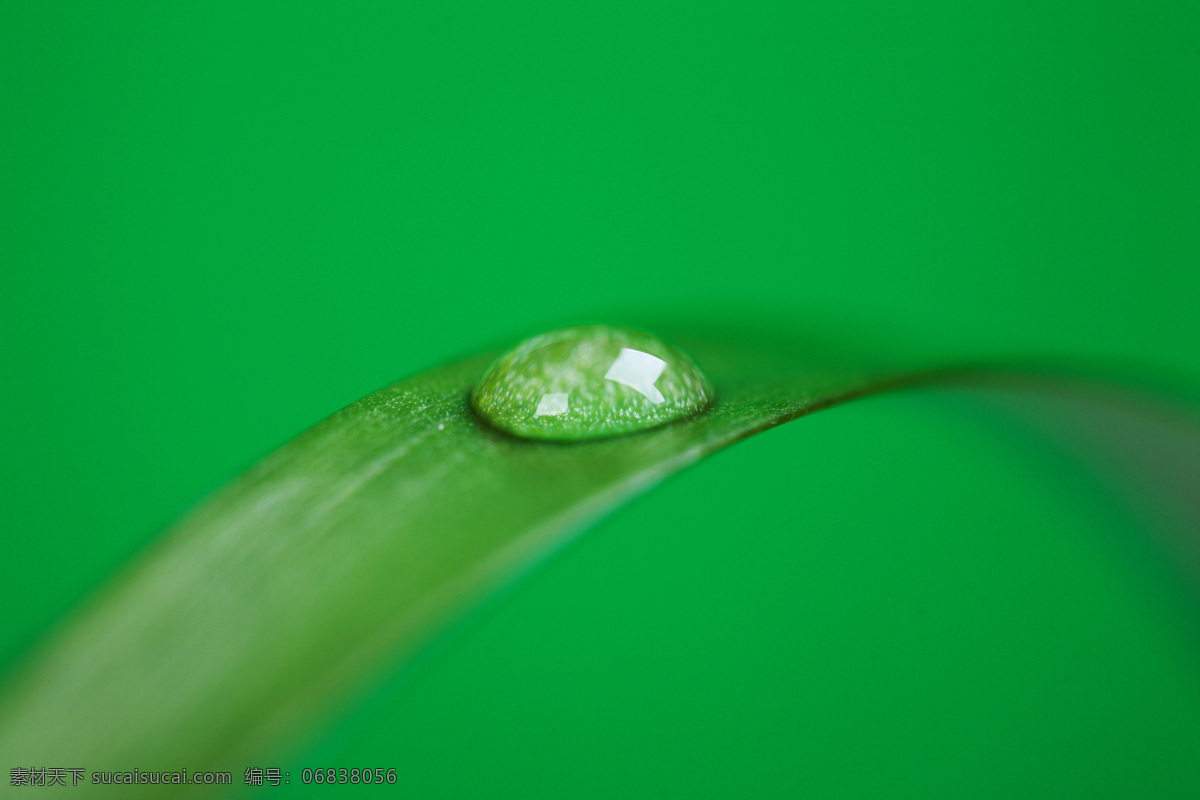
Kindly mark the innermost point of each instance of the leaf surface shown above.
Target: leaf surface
(275, 599)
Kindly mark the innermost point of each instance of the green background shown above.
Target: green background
(219, 224)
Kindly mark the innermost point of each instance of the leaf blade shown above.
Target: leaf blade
(256, 614)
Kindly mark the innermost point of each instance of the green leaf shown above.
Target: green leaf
(270, 604)
(277, 600)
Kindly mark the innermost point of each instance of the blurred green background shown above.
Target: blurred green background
(219, 223)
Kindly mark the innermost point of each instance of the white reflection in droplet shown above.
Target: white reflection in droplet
(638, 371)
(552, 405)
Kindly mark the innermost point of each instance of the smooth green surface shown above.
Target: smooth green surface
(588, 382)
(221, 223)
(278, 600)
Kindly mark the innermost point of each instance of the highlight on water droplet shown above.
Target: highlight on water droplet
(590, 381)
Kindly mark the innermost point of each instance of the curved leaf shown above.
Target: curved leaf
(268, 606)
(263, 608)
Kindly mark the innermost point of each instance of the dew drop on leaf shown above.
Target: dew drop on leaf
(590, 381)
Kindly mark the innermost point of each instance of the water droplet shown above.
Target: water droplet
(590, 381)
